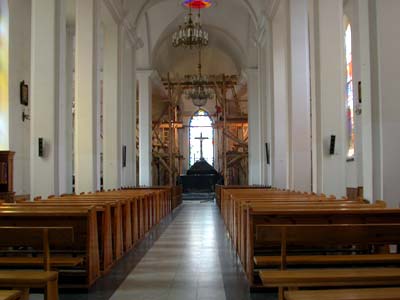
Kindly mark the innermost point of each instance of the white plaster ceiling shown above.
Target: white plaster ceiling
(232, 25)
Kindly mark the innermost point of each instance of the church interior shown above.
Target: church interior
(199, 149)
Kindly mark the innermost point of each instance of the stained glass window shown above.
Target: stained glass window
(349, 94)
(4, 75)
(197, 4)
(201, 126)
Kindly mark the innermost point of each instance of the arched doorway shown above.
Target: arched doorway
(201, 137)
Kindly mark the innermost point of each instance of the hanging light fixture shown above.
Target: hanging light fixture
(199, 92)
(198, 4)
(191, 34)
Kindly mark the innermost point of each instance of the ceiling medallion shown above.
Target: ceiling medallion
(190, 34)
(197, 4)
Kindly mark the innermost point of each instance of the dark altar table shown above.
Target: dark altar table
(199, 183)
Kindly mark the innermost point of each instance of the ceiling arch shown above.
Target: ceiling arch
(139, 8)
(231, 29)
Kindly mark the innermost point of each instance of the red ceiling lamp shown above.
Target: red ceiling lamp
(198, 4)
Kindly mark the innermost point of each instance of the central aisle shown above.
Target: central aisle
(192, 260)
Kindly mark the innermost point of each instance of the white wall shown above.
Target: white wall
(19, 69)
(388, 109)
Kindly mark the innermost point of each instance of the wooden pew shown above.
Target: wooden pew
(22, 279)
(241, 223)
(255, 219)
(122, 217)
(346, 294)
(219, 190)
(82, 219)
(11, 295)
(25, 280)
(306, 237)
(31, 237)
(103, 211)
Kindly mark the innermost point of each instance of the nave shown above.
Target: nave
(187, 256)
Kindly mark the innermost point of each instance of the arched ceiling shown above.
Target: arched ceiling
(232, 24)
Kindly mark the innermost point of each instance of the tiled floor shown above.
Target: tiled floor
(187, 257)
(183, 264)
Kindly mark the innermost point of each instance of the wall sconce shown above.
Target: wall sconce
(25, 116)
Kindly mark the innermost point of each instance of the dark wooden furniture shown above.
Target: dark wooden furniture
(7, 176)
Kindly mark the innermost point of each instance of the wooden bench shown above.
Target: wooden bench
(84, 222)
(258, 221)
(314, 238)
(10, 295)
(346, 294)
(30, 236)
(239, 232)
(330, 278)
(273, 261)
(26, 280)
(18, 279)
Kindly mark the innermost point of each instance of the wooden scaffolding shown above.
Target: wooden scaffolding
(230, 125)
(231, 132)
(167, 159)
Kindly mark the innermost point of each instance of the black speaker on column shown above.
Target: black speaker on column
(332, 145)
(41, 147)
(123, 156)
(267, 153)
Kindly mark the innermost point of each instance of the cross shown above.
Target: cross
(201, 138)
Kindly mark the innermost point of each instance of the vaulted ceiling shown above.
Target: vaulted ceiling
(233, 26)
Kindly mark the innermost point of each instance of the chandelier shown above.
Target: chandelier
(199, 92)
(191, 34)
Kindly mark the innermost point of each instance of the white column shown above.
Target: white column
(86, 96)
(128, 114)
(361, 13)
(254, 116)
(44, 96)
(145, 127)
(280, 144)
(330, 96)
(19, 69)
(67, 128)
(111, 109)
(386, 109)
(269, 102)
(299, 103)
(64, 135)
(133, 115)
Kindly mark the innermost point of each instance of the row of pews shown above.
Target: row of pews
(76, 239)
(301, 243)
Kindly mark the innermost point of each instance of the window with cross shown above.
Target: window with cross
(201, 138)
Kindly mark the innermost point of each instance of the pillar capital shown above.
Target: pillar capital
(146, 74)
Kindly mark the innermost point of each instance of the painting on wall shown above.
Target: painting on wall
(4, 74)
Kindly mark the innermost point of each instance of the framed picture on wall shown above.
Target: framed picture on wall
(24, 93)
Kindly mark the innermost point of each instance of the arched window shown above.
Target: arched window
(349, 93)
(4, 15)
(201, 138)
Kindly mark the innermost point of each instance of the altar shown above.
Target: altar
(201, 177)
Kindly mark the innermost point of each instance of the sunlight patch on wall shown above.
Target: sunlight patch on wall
(4, 16)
